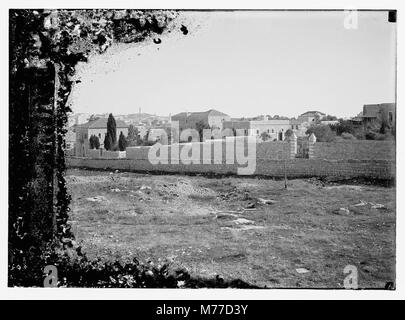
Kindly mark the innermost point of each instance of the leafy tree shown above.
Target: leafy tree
(112, 129)
(317, 119)
(133, 137)
(348, 136)
(93, 118)
(45, 47)
(132, 133)
(265, 136)
(288, 133)
(323, 133)
(200, 126)
(329, 118)
(122, 142)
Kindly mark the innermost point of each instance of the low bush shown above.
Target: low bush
(348, 136)
(74, 269)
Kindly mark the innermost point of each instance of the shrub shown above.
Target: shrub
(323, 133)
(76, 270)
(348, 136)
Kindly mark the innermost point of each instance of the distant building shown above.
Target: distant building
(329, 122)
(380, 112)
(70, 138)
(311, 116)
(77, 118)
(275, 129)
(98, 128)
(213, 118)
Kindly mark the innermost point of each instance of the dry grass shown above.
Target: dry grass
(197, 223)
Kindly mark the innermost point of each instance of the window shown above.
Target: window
(390, 116)
(85, 136)
(282, 129)
(99, 135)
(272, 130)
(268, 130)
(296, 127)
(257, 131)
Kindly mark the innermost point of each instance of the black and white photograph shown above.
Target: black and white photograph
(202, 148)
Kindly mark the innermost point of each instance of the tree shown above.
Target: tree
(108, 142)
(200, 126)
(96, 142)
(317, 118)
(329, 118)
(133, 138)
(288, 134)
(45, 47)
(122, 142)
(91, 142)
(93, 118)
(265, 136)
(323, 133)
(132, 133)
(112, 130)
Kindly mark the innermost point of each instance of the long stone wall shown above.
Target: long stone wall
(298, 168)
(371, 159)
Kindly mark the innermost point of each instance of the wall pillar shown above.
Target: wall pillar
(292, 140)
(311, 146)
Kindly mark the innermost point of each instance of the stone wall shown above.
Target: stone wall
(373, 159)
(360, 150)
(295, 168)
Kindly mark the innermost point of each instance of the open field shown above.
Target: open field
(227, 227)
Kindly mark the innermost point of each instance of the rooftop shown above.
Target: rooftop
(101, 123)
(200, 115)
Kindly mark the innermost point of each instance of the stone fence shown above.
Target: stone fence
(349, 159)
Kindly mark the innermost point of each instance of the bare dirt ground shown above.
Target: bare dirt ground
(247, 228)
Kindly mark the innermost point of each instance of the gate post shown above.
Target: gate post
(292, 140)
(311, 145)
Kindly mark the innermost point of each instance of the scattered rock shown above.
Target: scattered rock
(251, 205)
(145, 188)
(243, 221)
(224, 215)
(266, 201)
(377, 206)
(342, 211)
(97, 199)
(302, 270)
(362, 203)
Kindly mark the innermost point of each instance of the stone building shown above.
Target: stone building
(311, 116)
(213, 118)
(98, 128)
(275, 128)
(380, 112)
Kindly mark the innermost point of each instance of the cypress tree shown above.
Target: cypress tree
(122, 142)
(107, 142)
(96, 142)
(112, 130)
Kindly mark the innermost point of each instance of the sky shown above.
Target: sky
(247, 64)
